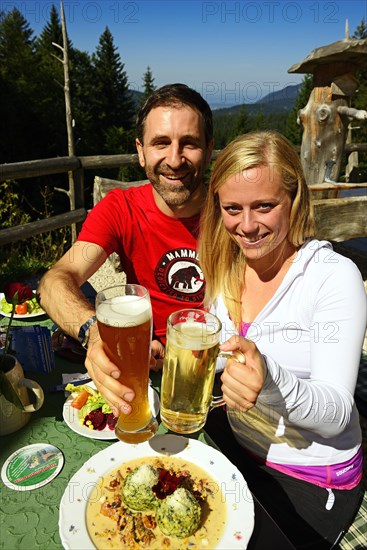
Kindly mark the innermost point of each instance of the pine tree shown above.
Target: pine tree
(19, 87)
(51, 32)
(243, 122)
(260, 122)
(51, 81)
(82, 94)
(361, 30)
(113, 105)
(148, 84)
(293, 130)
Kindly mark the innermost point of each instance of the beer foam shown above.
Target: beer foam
(193, 336)
(124, 310)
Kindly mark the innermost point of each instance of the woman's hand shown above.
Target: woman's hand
(157, 356)
(104, 374)
(242, 382)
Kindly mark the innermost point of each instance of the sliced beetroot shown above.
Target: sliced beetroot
(97, 418)
(111, 421)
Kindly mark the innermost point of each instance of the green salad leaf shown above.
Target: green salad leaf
(5, 306)
(84, 387)
(32, 306)
(93, 403)
(95, 400)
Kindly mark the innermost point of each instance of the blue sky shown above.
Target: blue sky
(230, 51)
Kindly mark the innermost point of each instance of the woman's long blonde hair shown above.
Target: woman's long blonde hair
(221, 259)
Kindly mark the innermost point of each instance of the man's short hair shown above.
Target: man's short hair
(176, 94)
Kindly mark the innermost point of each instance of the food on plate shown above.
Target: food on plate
(26, 308)
(186, 510)
(137, 490)
(80, 400)
(93, 410)
(21, 309)
(179, 514)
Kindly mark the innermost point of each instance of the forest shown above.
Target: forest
(32, 111)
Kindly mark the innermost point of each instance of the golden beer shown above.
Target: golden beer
(188, 374)
(125, 327)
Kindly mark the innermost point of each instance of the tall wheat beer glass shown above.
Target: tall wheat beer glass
(189, 369)
(124, 316)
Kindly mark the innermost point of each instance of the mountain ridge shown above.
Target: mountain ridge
(275, 102)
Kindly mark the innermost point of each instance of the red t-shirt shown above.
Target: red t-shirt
(156, 251)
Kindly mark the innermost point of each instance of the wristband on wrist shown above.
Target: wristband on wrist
(83, 336)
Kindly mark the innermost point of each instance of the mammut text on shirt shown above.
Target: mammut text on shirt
(178, 274)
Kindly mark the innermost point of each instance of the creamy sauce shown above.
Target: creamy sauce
(104, 531)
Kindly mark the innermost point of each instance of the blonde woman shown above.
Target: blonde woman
(296, 310)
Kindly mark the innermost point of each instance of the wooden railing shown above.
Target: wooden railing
(59, 165)
(337, 219)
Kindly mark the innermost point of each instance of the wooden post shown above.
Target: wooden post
(69, 118)
(326, 117)
(352, 157)
(324, 125)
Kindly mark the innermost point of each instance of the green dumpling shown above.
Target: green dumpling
(179, 514)
(137, 491)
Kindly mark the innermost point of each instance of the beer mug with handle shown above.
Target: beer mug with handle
(192, 348)
(124, 316)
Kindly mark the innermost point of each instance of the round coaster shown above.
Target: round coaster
(32, 467)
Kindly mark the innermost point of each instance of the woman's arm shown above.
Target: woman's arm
(323, 403)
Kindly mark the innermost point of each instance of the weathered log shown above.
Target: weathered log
(349, 51)
(351, 147)
(108, 161)
(23, 232)
(341, 219)
(358, 114)
(324, 135)
(103, 185)
(100, 189)
(59, 165)
(35, 168)
(326, 116)
(68, 113)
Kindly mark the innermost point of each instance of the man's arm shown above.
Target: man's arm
(60, 296)
(59, 290)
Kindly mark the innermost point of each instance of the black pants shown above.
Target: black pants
(298, 507)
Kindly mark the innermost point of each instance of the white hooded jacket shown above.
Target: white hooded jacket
(310, 334)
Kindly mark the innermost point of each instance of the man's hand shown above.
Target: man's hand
(242, 382)
(104, 373)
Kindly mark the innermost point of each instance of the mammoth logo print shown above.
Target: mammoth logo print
(178, 274)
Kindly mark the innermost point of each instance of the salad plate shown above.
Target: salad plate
(39, 313)
(240, 517)
(71, 418)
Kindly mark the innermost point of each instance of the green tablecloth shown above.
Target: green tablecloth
(29, 519)
(42, 320)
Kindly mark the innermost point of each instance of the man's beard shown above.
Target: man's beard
(174, 194)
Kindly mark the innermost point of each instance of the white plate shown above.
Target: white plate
(17, 315)
(240, 507)
(72, 420)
